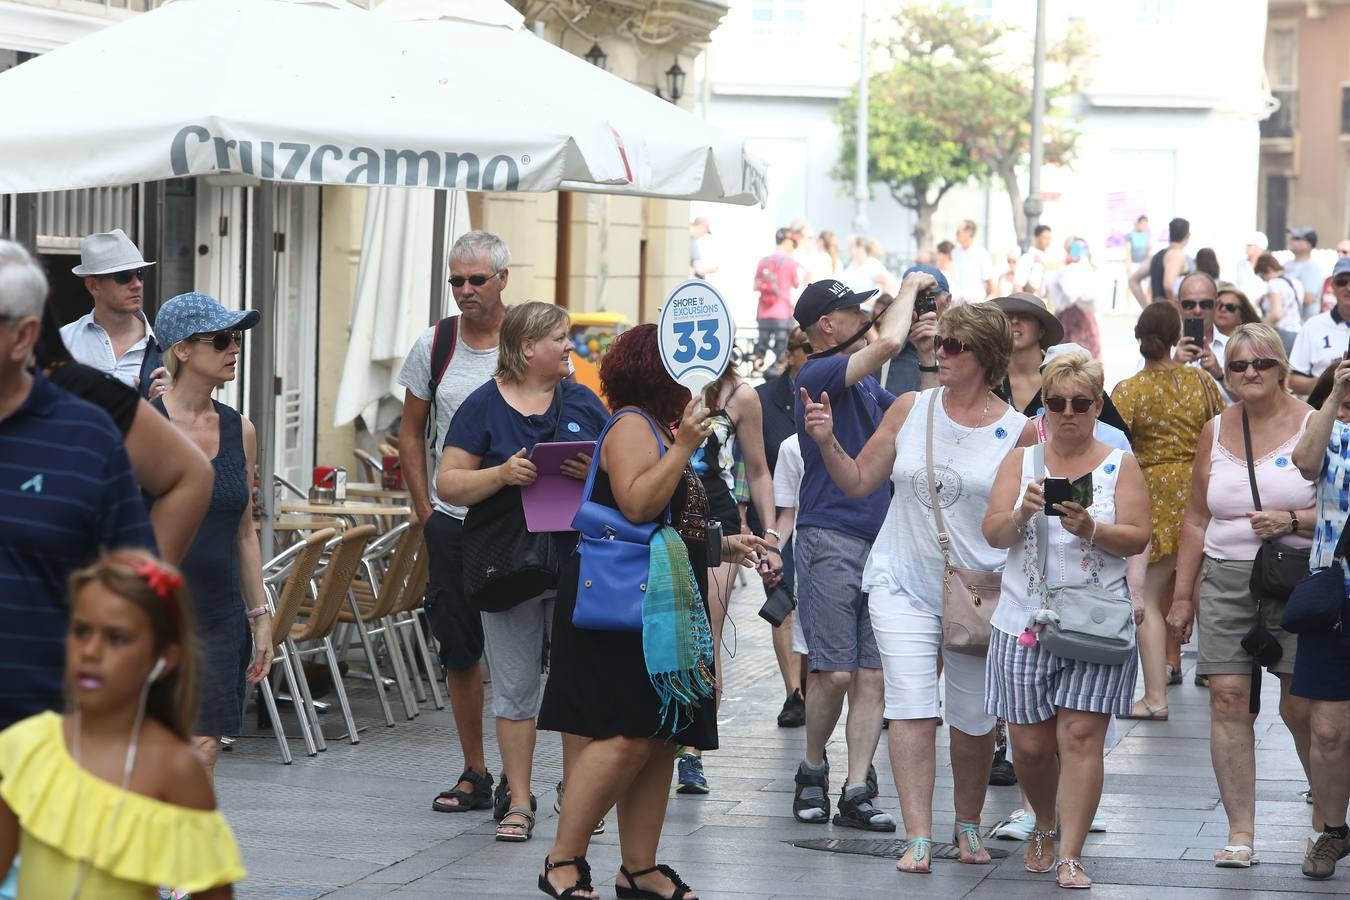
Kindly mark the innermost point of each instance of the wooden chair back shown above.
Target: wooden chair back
(296, 589)
(337, 581)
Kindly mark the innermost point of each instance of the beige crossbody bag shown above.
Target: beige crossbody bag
(969, 596)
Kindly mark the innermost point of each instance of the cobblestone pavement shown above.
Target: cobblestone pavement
(356, 822)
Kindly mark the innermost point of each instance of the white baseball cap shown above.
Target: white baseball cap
(1258, 239)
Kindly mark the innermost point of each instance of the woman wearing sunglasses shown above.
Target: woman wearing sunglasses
(223, 567)
(1165, 406)
(1221, 534)
(1231, 309)
(1058, 709)
(972, 430)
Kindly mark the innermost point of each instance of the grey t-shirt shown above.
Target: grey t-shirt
(469, 370)
(1308, 273)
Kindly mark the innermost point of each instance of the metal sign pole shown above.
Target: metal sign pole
(262, 364)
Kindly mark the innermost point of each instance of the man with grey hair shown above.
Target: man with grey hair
(450, 360)
(69, 494)
(116, 337)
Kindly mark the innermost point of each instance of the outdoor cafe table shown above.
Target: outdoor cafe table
(350, 510)
(368, 490)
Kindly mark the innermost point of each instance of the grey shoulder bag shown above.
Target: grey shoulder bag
(969, 596)
(1088, 622)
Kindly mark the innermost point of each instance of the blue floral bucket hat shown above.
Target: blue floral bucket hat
(194, 313)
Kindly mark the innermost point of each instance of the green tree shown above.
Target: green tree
(961, 83)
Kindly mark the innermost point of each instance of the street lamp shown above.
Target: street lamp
(675, 82)
(596, 57)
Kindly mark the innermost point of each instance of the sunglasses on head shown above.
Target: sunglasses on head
(1260, 364)
(126, 277)
(1080, 404)
(475, 280)
(950, 345)
(1341, 281)
(1192, 304)
(1230, 307)
(221, 340)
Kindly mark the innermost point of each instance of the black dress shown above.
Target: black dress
(597, 683)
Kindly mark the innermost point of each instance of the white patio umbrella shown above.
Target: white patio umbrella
(422, 93)
(417, 93)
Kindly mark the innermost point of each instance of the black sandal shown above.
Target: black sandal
(858, 812)
(501, 800)
(811, 795)
(479, 798)
(633, 892)
(583, 877)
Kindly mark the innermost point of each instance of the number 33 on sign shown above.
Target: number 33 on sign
(695, 334)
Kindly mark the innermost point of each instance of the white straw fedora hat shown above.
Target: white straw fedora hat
(108, 252)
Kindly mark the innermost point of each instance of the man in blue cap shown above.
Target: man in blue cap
(914, 368)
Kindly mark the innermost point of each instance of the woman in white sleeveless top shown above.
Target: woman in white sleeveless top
(973, 430)
(1058, 709)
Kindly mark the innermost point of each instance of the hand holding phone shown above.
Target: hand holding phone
(1194, 328)
(1057, 490)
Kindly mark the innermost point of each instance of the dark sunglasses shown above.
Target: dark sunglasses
(1260, 364)
(221, 340)
(1341, 281)
(475, 280)
(1192, 304)
(1230, 307)
(950, 345)
(126, 277)
(1080, 404)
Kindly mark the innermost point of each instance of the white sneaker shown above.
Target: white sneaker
(1097, 826)
(1017, 827)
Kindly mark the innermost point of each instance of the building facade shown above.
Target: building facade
(1305, 143)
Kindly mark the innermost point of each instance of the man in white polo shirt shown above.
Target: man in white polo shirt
(116, 336)
(1324, 337)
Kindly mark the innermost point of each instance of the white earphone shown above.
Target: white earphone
(160, 665)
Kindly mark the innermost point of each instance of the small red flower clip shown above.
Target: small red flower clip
(161, 581)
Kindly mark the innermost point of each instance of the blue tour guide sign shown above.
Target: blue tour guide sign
(696, 335)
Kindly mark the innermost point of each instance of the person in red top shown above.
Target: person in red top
(776, 277)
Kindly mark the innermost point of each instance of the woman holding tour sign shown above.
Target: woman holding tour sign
(486, 463)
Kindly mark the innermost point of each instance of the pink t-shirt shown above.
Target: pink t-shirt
(1230, 534)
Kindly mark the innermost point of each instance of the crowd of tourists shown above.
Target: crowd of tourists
(956, 526)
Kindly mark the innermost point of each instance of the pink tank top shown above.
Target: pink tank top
(1230, 535)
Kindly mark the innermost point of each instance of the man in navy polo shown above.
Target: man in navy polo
(66, 493)
(833, 539)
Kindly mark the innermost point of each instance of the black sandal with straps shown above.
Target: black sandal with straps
(633, 892)
(583, 884)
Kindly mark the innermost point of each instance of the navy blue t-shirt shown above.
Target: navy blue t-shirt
(66, 493)
(486, 425)
(856, 413)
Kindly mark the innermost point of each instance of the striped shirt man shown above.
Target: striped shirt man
(66, 493)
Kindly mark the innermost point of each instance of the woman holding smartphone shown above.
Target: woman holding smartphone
(1165, 406)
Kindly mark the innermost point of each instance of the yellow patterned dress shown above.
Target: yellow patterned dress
(132, 842)
(1165, 410)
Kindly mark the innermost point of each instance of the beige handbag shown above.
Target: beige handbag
(969, 596)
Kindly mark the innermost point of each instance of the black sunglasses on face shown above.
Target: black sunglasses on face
(1192, 304)
(1230, 307)
(1260, 364)
(950, 345)
(125, 278)
(1341, 281)
(475, 280)
(221, 340)
(1080, 404)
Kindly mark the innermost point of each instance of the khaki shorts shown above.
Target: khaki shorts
(1225, 613)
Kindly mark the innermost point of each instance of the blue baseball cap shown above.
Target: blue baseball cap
(930, 270)
(1342, 266)
(194, 313)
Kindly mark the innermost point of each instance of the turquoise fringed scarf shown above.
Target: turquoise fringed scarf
(676, 637)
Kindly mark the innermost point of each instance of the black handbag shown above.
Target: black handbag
(1318, 604)
(1277, 570)
(506, 564)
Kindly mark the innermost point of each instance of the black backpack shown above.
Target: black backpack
(443, 344)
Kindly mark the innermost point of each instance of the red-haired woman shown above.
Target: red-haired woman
(598, 684)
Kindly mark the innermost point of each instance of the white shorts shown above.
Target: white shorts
(910, 641)
(798, 639)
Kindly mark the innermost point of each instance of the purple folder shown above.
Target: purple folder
(552, 500)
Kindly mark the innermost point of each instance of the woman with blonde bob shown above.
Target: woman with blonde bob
(1057, 708)
(1220, 536)
(972, 431)
(487, 450)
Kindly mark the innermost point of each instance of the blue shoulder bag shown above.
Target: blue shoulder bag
(615, 554)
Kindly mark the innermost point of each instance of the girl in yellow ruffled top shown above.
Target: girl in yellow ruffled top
(110, 800)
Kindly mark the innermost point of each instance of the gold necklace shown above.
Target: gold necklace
(988, 398)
